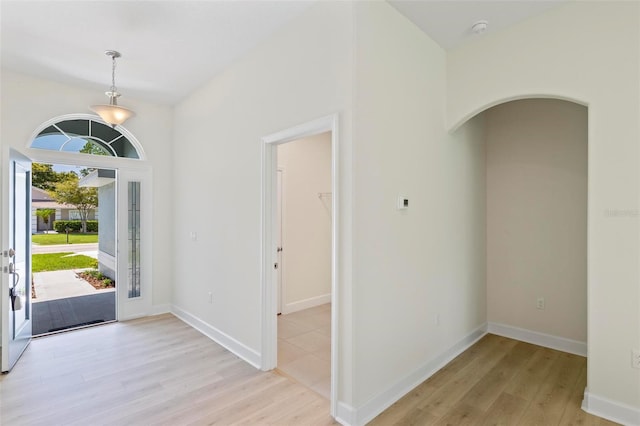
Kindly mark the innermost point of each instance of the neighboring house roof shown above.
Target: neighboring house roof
(41, 200)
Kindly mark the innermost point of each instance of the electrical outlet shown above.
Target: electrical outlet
(540, 303)
(436, 320)
(210, 297)
(635, 358)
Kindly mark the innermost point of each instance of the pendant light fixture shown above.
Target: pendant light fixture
(113, 113)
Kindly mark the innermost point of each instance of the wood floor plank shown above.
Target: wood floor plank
(462, 414)
(417, 418)
(445, 397)
(396, 413)
(207, 406)
(313, 414)
(506, 410)
(280, 407)
(238, 409)
(549, 403)
(157, 407)
(527, 382)
(483, 394)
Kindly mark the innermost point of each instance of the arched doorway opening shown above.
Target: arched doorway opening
(537, 241)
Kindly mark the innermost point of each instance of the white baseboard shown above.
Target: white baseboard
(381, 402)
(234, 346)
(541, 339)
(160, 309)
(610, 410)
(306, 304)
(137, 315)
(346, 414)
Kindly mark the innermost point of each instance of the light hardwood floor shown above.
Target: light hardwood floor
(146, 372)
(159, 370)
(499, 381)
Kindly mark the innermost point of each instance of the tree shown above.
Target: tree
(84, 199)
(44, 177)
(92, 148)
(45, 214)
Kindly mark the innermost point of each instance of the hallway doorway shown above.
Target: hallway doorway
(304, 261)
(294, 341)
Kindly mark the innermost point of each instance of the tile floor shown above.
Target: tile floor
(304, 347)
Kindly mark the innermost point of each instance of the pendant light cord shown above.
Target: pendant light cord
(113, 74)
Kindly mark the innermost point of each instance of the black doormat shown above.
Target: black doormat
(82, 324)
(56, 315)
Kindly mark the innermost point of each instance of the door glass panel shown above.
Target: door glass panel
(133, 236)
(21, 278)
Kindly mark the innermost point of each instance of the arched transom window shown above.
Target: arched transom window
(85, 136)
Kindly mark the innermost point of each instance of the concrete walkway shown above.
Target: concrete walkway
(65, 301)
(64, 248)
(62, 284)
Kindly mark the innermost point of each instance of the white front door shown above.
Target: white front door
(16, 258)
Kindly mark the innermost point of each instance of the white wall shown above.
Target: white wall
(306, 230)
(28, 102)
(429, 260)
(300, 73)
(588, 51)
(537, 216)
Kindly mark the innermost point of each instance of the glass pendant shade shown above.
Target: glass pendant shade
(112, 114)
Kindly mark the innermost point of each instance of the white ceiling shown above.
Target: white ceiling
(169, 48)
(449, 22)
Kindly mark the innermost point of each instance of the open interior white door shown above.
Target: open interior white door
(16, 258)
(133, 286)
(280, 295)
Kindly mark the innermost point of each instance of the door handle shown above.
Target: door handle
(9, 253)
(11, 269)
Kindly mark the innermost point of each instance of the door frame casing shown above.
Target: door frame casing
(269, 255)
(133, 169)
(280, 219)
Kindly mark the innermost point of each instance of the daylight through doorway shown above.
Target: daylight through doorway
(73, 226)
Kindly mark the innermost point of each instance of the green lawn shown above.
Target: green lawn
(50, 239)
(56, 262)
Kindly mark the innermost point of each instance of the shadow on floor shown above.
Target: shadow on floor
(61, 314)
